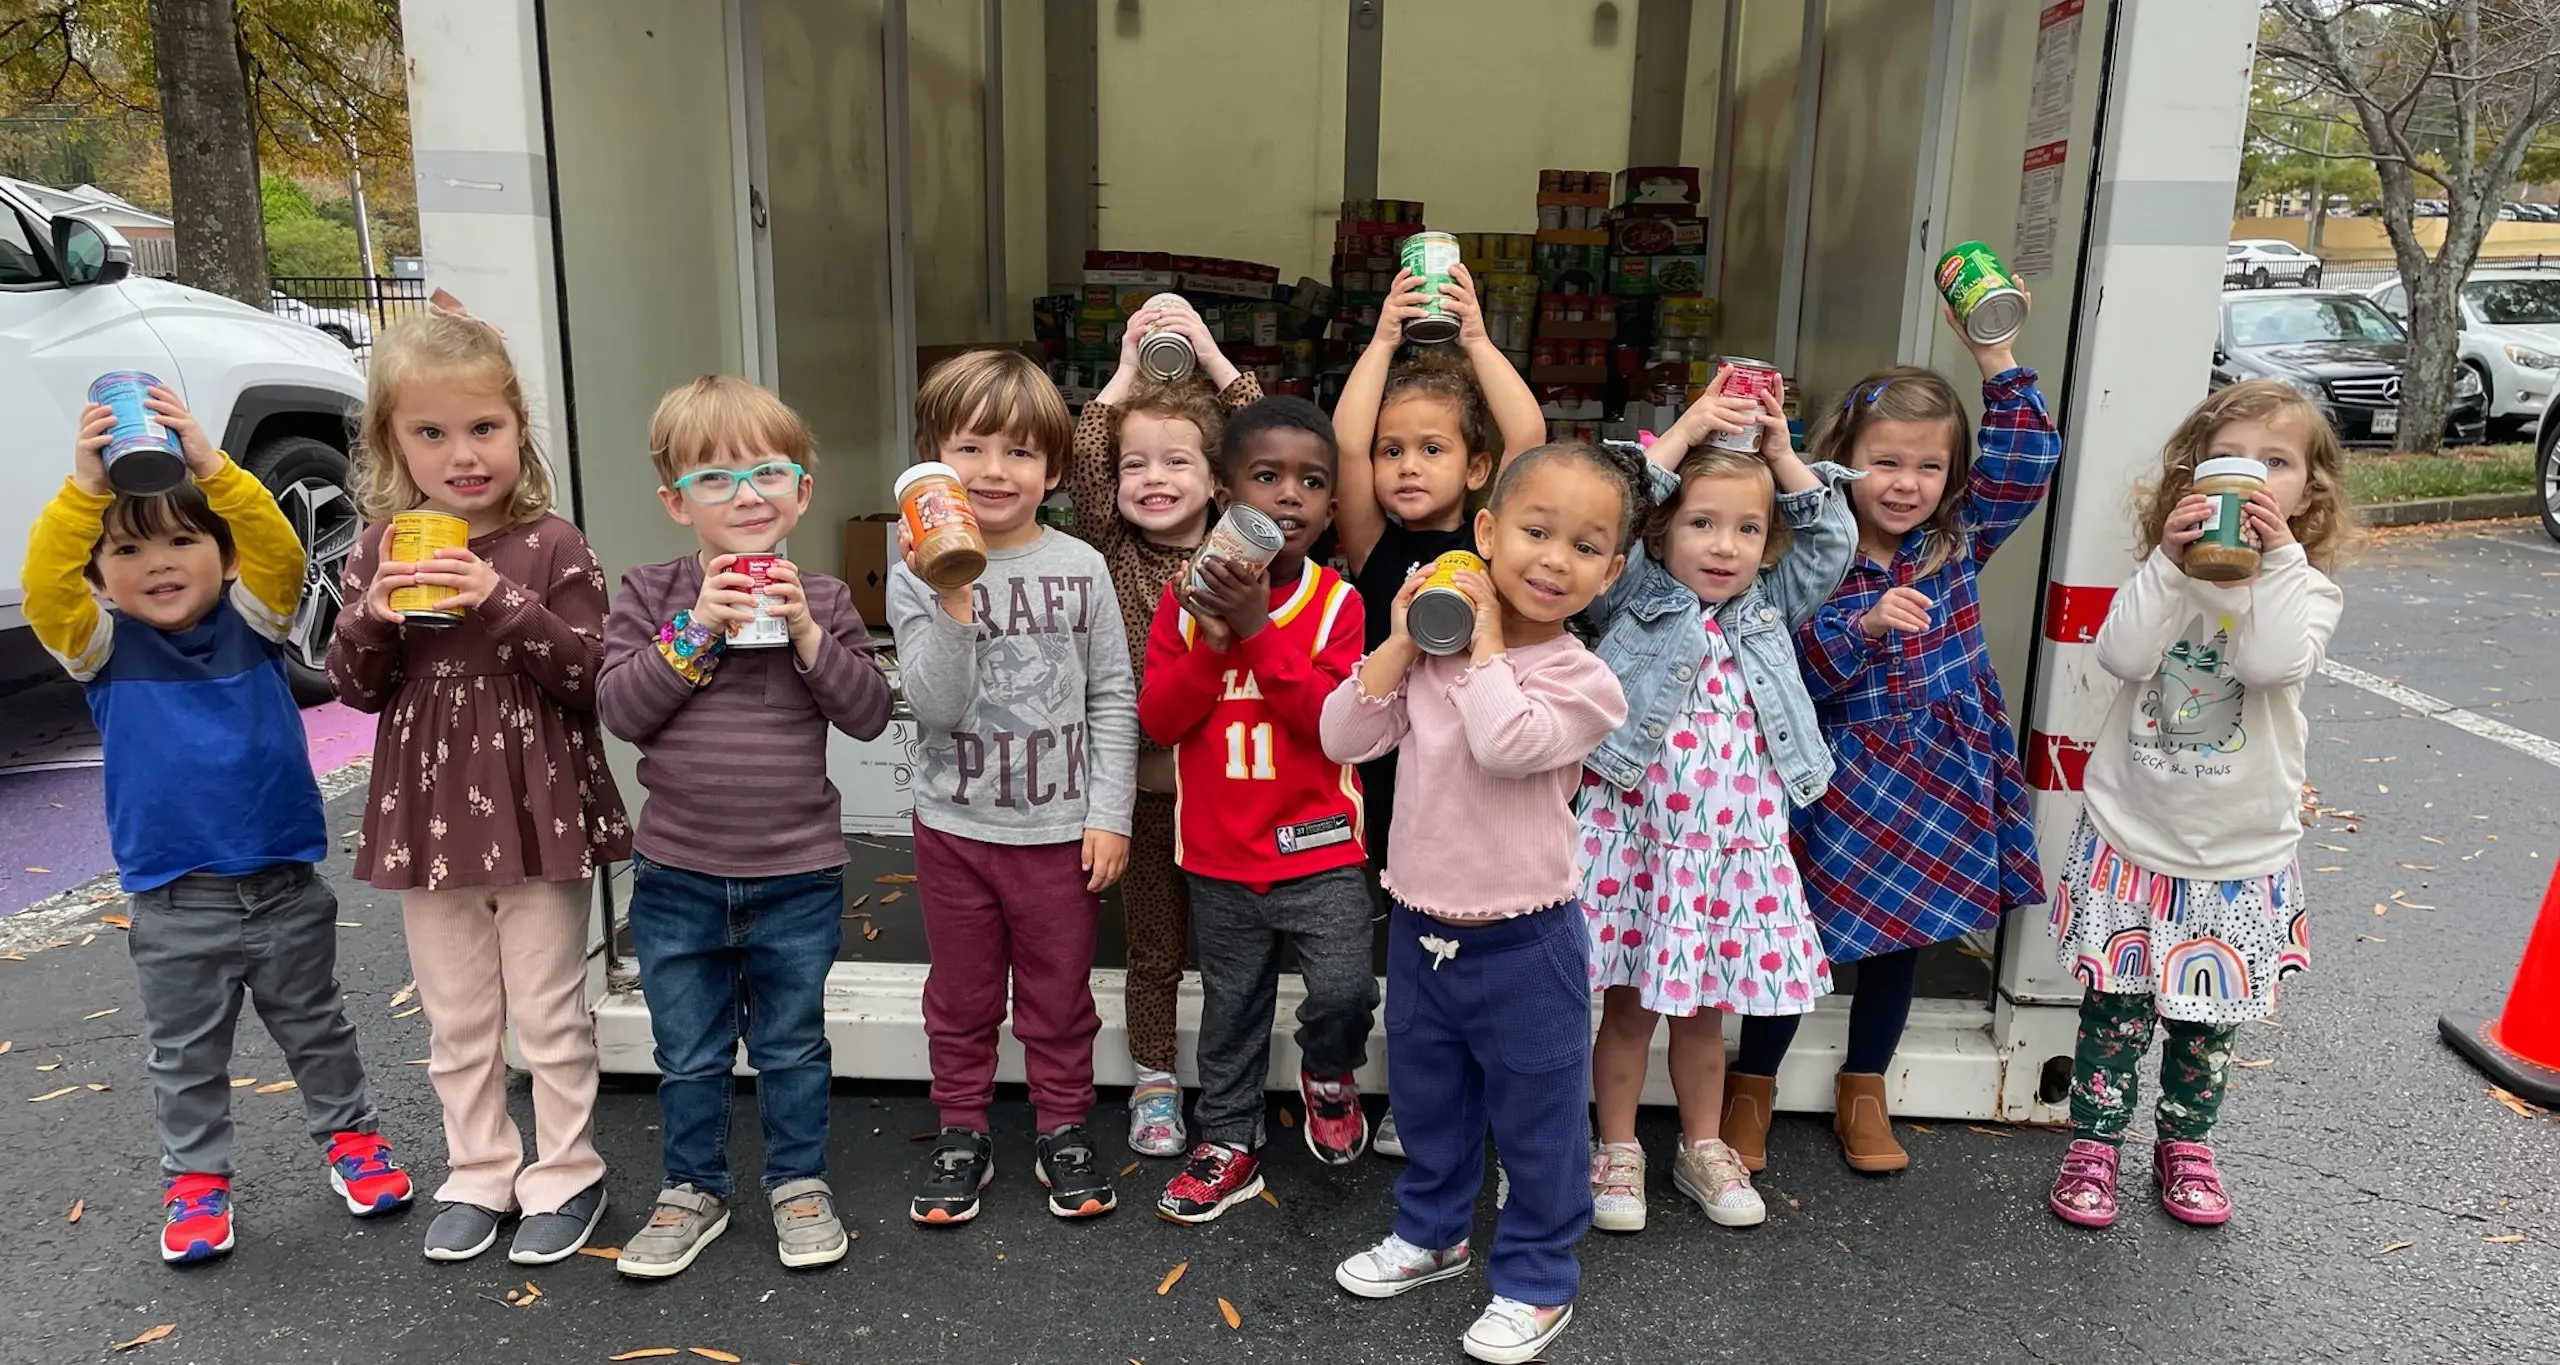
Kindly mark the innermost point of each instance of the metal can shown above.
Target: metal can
(143, 457)
(1244, 535)
(1442, 618)
(1988, 304)
(767, 629)
(1749, 379)
(414, 538)
(950, 551)
(1433, 257)
(1163, 353)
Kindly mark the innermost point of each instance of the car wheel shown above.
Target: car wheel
(2311, 278)
(2546, 485)
(2258, 279)
(309, 480)
(339, 335)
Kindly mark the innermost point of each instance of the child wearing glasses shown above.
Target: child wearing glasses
(738, 864)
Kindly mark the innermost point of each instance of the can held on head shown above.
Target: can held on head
(1244, 535)
(1987, 301)
(767, 629)
(1165, 354)
(143, 457)
(950, 550)
(1433, 258)
(1749, 379)
(1442, 618)
(414, 538)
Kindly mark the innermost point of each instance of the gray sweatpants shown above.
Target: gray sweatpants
(197, 943)
(1236, 935)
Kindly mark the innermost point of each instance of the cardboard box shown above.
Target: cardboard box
(1657, 275)
(870, 547)
(1671, 190)
(1631, 235)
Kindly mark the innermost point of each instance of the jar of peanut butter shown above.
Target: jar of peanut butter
(2226, 554)
(950, 551)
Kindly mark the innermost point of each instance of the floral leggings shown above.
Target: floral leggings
(2195, 1070)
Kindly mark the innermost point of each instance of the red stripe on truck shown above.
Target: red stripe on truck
(2072, 615)
(2055, 763)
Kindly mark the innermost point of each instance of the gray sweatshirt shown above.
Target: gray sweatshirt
(1028, 717)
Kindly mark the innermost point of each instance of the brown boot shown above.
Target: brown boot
(1866, 1133)
(1745, 1125)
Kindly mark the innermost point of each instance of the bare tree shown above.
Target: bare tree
(213, 147)
(2449, 92)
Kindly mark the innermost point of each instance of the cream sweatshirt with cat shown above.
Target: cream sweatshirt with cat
(2198, 770)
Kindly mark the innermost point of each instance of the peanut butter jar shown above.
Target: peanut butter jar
(2225, 554)
(950, 551)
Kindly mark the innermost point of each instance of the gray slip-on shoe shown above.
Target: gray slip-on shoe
(543, 1238)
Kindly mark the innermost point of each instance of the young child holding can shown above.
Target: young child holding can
(2182, 901)
(211, 808)
(1418, 438)
(1488, 978)
(1240, 664)
(1027, 717)
(1141, 480)
(737, 898)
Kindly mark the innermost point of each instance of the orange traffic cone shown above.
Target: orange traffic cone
(2521, 1050)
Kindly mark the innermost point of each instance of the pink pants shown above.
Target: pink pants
(993, 911)
(485, 957)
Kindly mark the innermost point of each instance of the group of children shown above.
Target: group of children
(1785, 751)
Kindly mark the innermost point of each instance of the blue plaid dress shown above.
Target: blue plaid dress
(1925, 833)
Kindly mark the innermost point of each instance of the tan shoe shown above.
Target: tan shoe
(1748, 1101)
(1866, 1132)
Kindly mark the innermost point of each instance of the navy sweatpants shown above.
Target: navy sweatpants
(1495, 1034)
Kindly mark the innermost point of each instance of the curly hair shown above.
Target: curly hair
(1584, 453)
(438, 348)
(1442, 372)
(2327, 525)
(1906, 393)
(1188, 399)
(1711, 462)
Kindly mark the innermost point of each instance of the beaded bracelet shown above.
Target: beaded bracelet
(690, 649)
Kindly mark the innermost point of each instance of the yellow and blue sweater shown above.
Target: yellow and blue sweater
(207, 769)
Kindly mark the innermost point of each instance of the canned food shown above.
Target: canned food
(767, 629)
(1987, 301)
(1431, 256)
(950, 550)
(1244, 535)
(1442, 618)
(142, 456)
(414, 538)
(1749, 379)
(1165, 354)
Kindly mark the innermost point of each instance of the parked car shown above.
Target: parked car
(2340, 351)
(2510, 339)
(347, 326)
(2429, 208)
(2259, 262)
(2546, 473)
(278, 395)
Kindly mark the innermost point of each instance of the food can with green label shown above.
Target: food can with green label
(1988, 303)
(1433, 258)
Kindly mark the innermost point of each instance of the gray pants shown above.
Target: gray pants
(1236, 936)
(197, 943)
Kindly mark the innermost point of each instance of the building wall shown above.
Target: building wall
(2362, 240)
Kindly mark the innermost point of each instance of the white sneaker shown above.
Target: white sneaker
(1396, 1265)
(1712, 1173)
(1514, 1333)
(1383, 1139)
(1617, 1187)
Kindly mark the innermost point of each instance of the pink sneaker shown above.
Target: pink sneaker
(2084, 1194)
(2190, 1187)
(1337, 1129)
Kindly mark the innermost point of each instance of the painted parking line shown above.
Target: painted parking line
(2524, 742)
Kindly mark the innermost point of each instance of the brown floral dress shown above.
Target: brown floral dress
(488, 767)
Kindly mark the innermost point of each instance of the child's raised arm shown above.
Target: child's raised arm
(2019, 448)
(59, 607)
(1358, 518)
(1506, 395)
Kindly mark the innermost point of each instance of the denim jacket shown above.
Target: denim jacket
(1652, 634)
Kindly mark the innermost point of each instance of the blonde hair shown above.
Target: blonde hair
(1714, 462)
(1907, 393)
(996, 392)
(438, 348)
(1188, 399)
(696, 421)
(2327, 525)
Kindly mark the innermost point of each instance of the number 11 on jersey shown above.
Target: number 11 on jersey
(1260, 736)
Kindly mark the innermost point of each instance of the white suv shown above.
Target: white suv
(2510, 318)
(2257, 262)
(277, 394)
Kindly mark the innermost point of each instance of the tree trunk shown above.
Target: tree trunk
(2426, 380)
(213, 148)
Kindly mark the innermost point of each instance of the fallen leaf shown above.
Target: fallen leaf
(713, 1353)
(1287, 1119)
(1272, 1199)
(275, 1088)
(1986, 1132)
(350, 924)
(2382, 787)
(87, 939)
(2430, 839)
(646, 1353)
(96, 1086)
(2522, 1107)
(117, 921)
(40, 870)
(2395, 1246)
(1171, 1278)
(1235, 1321)
(2508, 1239)
(858, 902)
(924, 1137)
(602, 1253)
(417, 1061)
(896, 879)
(2369, 938)
(2254, 1064)
(146, 1338)
(1922, 1128)
(2334, 848)
(2417, 867)
(51, 1094)
(869, 933)
(1129, 1170)
(401, 996)
(4, 1047)
(101, 1014)
(78, 1207)
(48, 1066)
(2328, 869)
(892, 897)
(413, 1009)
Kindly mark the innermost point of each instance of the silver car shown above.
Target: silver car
(2262, 262)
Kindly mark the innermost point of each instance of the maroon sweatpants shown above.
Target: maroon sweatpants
(990, 910)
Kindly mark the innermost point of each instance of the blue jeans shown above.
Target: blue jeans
(725, 957)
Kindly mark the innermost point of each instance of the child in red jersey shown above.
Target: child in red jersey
(1267, 828)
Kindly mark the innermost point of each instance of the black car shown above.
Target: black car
(2341, 352)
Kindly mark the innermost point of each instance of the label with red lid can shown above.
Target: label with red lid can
(1748, 379)
(768, 628)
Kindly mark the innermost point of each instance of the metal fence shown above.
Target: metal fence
(2364, 275)
(352, 309)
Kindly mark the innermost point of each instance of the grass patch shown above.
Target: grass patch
(2380, 478)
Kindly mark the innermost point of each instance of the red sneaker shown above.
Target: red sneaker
(1218, 1178)
(1337, 1129)
(199, 1226)
(362, 1172)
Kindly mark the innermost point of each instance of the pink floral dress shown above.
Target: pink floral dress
(1688, 888)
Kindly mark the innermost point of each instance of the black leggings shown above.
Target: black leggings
(1877, 1014)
